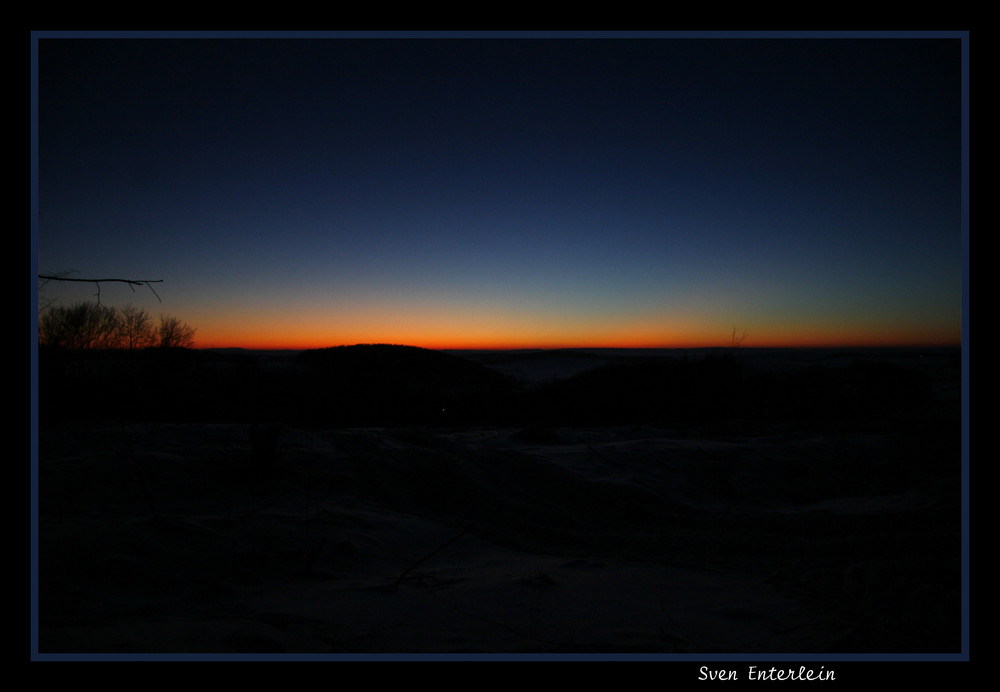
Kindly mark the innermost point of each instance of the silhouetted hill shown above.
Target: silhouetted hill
(381, 384)
(387, 385)
(405, 365)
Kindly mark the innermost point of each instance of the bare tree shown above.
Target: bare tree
(78, 326)
(175, 334)
(135, 328)
(737, 338)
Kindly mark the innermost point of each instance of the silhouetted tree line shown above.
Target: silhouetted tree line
(87, 325)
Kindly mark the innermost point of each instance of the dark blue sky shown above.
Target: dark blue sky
(510, 192)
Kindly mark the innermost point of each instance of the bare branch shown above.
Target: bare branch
(737, 339)
(131, 283)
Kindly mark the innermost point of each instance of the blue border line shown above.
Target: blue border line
(290, 34)
(793, 659)
(966, 452)
(33, 282)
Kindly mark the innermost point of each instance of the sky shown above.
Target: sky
(501, 191)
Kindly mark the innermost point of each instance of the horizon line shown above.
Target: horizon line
(726, 347)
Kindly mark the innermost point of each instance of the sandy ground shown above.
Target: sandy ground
(158, 538)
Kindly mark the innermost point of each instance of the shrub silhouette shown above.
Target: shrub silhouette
(175, 334)
(135, 328)
(101, 355)
(78, 326)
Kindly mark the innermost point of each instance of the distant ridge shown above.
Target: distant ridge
(388, 385)
(235, 350)
(402, 367)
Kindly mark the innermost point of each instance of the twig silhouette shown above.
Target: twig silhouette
(131, 283)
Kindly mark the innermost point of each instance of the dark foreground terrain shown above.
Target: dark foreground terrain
(391, 500)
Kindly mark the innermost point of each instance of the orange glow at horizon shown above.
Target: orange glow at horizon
(571, 209)
(445, 340)
(504, 326)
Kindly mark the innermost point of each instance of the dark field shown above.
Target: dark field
(386, 499)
